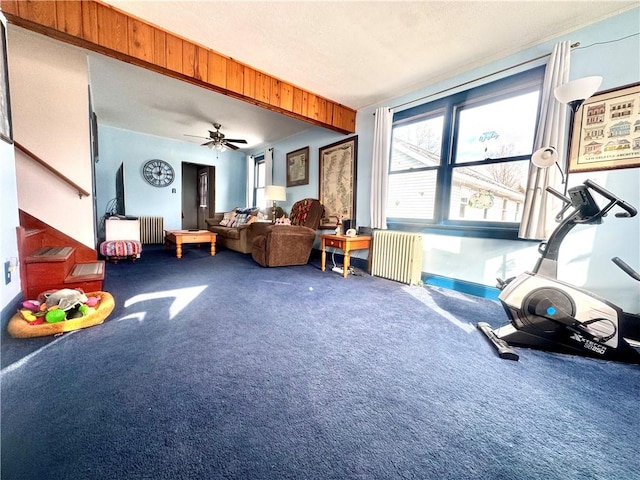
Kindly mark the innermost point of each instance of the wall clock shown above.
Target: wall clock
(158, 173)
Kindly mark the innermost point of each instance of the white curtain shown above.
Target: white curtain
(380, 166)
(250, 180)
(541, 207)
(268, 166)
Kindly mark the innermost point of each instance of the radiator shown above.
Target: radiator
(397, 256)
(151, 230)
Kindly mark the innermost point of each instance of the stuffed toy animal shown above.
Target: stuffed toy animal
(65, 299)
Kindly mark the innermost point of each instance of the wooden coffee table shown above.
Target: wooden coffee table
(179, 237)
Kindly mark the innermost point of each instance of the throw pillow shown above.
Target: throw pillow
(228, 219)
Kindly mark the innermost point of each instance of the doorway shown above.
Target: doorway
(198, 195)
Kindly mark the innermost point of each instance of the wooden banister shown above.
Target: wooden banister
(81, 191)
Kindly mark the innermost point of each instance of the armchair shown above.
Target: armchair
(283, 245)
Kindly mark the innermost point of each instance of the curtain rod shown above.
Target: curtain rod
(573, 45)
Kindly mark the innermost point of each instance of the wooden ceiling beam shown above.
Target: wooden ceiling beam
(99, 27)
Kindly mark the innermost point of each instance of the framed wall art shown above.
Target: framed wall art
(298, 167)
(337, 191)
(606, 131)
(6, 132)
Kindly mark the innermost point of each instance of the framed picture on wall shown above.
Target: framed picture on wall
(337, 191)
(6, 132)
(298, 167)
(606, 131)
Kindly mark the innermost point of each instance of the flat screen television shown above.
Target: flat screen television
(120, 206)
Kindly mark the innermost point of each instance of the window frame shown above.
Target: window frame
(450, 107)
(257, 161)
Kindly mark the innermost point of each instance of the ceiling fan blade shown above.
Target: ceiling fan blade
(235, 141)
(206, 144)
(232, 147)
(194, 136)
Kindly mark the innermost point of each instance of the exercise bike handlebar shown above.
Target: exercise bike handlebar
(629, 210)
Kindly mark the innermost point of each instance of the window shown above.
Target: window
(259, 182)
(460, 164)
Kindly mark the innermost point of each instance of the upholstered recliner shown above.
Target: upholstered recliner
(283, 245)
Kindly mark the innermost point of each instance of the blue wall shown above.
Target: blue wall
(585, 256)
(134, 149)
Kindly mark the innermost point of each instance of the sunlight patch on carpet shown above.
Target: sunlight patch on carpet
(422, 295)
(183, 296)
(24, 360)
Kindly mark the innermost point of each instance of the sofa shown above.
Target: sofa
(236, 229)
(289, 244)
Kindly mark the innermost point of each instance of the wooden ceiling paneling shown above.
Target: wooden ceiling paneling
(97, 26)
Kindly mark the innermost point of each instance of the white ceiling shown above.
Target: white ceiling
(357, 53)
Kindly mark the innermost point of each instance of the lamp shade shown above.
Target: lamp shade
(577, 91)
(275, 193)
(544, 157)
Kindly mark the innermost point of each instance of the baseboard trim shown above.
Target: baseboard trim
(10, 310)
(462, 286)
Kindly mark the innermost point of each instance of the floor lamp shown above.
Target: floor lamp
(572, 93)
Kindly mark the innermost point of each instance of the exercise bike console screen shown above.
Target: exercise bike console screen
(582, 200)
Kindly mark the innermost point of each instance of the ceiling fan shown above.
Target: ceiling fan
(218, 141)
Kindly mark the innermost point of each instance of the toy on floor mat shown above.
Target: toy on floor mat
(59, 311)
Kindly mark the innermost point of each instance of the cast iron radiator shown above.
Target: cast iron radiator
(151, 230)
(397, 256)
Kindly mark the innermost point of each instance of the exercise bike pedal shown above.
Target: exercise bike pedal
(504, 350)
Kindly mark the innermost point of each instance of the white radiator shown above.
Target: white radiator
(397, 256)
(151, 230)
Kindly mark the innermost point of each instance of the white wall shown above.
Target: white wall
(134, 149)
(8, 223)
(49, 82)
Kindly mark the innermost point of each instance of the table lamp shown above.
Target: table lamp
(275, 193)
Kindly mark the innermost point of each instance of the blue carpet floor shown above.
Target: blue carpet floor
(217, 368)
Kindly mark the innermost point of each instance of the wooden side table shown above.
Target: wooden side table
(189, 236)
(346, 244)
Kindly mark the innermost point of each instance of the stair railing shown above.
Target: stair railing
(81, 191)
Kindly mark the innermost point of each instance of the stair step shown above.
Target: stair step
(50, 254)
(86, 272)
(33, 231)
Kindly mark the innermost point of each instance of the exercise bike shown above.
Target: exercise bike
(548, 314)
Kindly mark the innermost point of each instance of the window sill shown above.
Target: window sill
(497, 232)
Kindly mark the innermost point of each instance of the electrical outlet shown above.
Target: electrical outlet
(7, 272)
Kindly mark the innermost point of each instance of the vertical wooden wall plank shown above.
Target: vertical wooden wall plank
(201, 68)
(274, 97)
(286, 96)
(69, 17)
(90, 22)
(160, 48)
(217, 69)
(235, 76)
(188, 58)
(141, 40)
(112, 29)
(305, 103)
(10, 7)
(249, 89)
(42, 12)
(312, 106)
(263, 87)
(321, 109)
(297, 100)
(329, 115)
(174, 53)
